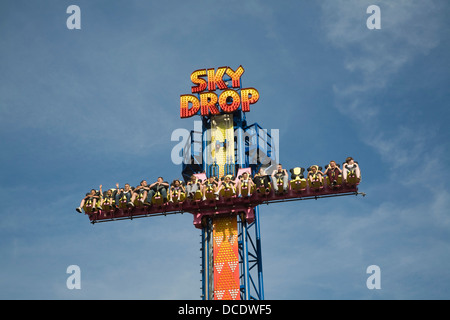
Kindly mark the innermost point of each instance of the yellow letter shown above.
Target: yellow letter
(235, 76)
(200, 83)
(208, 102)
(223, 103)
(216, 79)
(248, 97)
(185, 99)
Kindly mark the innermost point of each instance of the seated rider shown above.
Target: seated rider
(192, 186)
(315, 174)
(160, 186)
(90, 197)
(176, 188)
(280, 173)
(246, 181)
(140, 191)
(262, 179)
(106, 198)
(125, 192)
(333, 171)
(210, 184)
(351, 167)
(228, 184)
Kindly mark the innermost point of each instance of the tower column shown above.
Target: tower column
(226, 258)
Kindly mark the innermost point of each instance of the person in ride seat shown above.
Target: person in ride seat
(91, 199)
(160, 186)
(351, 171)
(124, 195)
(107, 200)
(280, 175)
(210, 187)
(245, 181)
(315, 175)
(192, 186)
(176, 190)
(227, 187)
(262, 179)
(140, 192)
(333, 171)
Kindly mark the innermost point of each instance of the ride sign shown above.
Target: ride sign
(208, 102)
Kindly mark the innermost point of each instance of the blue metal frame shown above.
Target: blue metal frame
(207, 267)
(250, 254)
(254, 150)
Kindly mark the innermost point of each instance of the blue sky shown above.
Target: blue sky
(80, 108)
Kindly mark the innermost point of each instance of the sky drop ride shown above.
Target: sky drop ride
(228, 146)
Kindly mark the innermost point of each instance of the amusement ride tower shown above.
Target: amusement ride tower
(226, 146)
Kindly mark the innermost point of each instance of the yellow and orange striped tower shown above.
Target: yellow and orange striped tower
(222, 141)
(225, 232)
(226, 258)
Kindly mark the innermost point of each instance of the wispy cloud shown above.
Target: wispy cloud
(406, 32)
(406, 229)
(373, 58)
